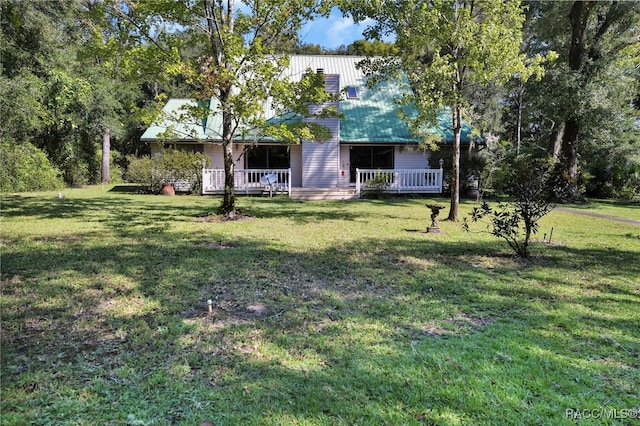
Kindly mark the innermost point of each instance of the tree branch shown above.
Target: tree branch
(147, 36)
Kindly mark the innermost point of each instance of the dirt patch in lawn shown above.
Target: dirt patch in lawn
(221, 244)
(454, 326)
(238, 216)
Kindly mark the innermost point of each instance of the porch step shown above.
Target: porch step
(323, 194)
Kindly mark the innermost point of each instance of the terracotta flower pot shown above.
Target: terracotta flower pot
(167, 189)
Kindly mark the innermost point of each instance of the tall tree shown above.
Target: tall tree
(44, 96)
(590, 48)
(582, 106)
(112, 49)
(446, 48)
(240, 69)
(371, 48)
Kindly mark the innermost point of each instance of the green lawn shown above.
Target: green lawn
(324, 313)
(609, 207)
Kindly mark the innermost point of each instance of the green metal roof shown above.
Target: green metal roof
(372, 117)
(445, 129)
(369, 118)
(178, 125)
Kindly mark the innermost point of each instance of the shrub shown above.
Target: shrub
(533, 191)
(23, 167)
(629, 193)
(77, 173)
(376, 187)
(140, 171)
(171, 166)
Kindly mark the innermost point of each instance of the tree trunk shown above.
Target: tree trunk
(579, 16)
(106, 155)
(220, 21)
(555, 142)
(228, 205)
(455, 172)
(519, 122)
(570, 155)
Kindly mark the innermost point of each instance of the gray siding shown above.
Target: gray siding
(296, 165)
(410, 157)
(215, 153)
(320, 160)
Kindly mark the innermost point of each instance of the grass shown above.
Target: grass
(610, 207)
(324, 313)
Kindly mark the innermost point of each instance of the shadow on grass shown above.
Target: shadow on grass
(478, 378)
(114, 209)
(301, 211)
(374, 331)
(310, 211)
(635, 205)
(128, 189)
(122, 207)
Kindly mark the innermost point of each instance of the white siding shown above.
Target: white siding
(411, 157)
(332, 83)
(320, 160)
(214, 151)
(320, 164)
(237, 150)
(295, 157)
(345, 164)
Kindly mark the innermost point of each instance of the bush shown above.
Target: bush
(77, 173)
(24, 167)
(140, 171)
(629, 193)
(171, 166)
(376, 187)
(533, 191)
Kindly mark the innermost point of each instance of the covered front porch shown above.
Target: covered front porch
(248, 181)
(400, 181)
(278, 181)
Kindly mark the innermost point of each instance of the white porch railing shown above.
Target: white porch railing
(247, 181)
(402, 181)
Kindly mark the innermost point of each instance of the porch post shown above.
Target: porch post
(358, 182)
(289, 182)
(441, 174)
(202, 189)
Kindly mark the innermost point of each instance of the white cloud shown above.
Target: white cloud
(332, 32)
(342, 30)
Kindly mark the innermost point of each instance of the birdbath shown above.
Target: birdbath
(435, 210)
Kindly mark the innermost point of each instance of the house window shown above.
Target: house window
(268, 157)
(370, 157)
(352, 93)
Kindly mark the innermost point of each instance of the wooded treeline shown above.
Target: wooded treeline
(82, 79)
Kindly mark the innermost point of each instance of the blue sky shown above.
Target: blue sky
(333, 31)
